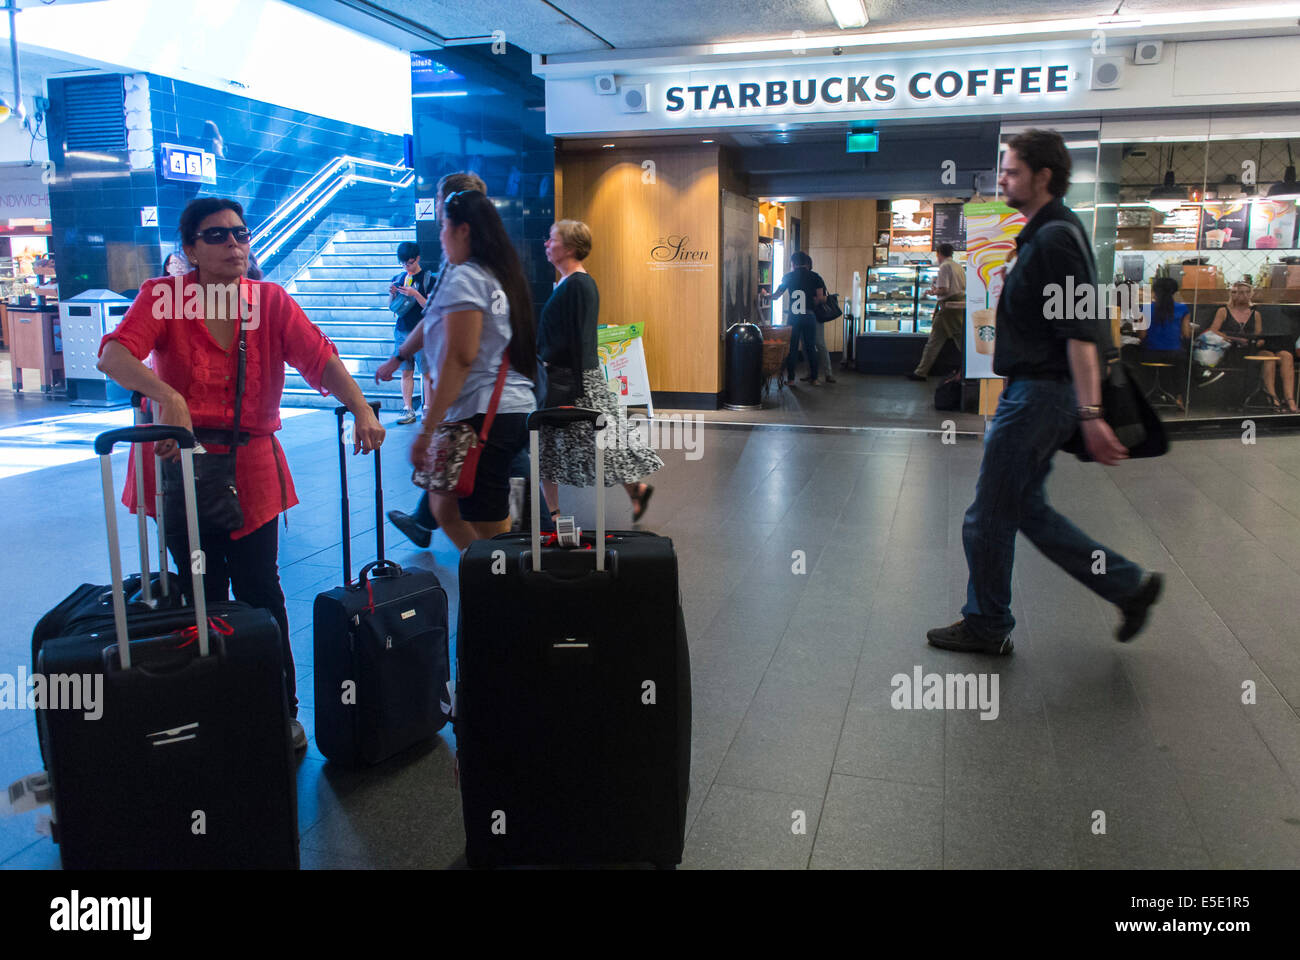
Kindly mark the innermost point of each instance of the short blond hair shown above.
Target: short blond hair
(575, 235)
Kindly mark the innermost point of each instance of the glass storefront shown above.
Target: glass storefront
(1196, 240)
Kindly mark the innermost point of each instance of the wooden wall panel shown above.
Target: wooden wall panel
(857, 221)
(825, 225)
(678, 301)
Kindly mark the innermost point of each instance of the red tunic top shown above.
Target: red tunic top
(187, 358)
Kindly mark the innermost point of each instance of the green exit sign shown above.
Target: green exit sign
(868, 142)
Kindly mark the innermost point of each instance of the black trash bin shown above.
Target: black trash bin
(744, 367)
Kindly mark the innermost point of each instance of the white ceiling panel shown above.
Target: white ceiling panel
(591, 26)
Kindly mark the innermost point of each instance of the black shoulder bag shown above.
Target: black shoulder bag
(563, 386)
(828, 309)
(214, 473)
(1123, 405)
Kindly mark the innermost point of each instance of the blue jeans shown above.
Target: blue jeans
(1033, 419)
(804, 330)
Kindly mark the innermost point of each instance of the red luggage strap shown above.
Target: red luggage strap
(191, 634)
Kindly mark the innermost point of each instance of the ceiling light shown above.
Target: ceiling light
(848, 13)
(1288, 189)
(607, 145)
(706, 141)
(1168, 196)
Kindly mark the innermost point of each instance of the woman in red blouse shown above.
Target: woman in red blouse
(191, 326)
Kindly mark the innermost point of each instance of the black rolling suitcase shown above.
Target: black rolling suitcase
(381, 667)
(186, 760)
(573, 695)
(145, 591)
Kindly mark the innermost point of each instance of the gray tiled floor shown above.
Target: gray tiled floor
(798, 758)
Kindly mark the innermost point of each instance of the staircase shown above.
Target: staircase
(344, 291)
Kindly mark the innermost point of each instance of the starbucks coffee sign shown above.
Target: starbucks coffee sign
(817, 90)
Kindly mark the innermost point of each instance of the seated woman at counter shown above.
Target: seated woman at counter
(1240, 324)
(1168, 325)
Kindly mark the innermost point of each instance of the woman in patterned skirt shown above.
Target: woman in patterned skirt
(566, 341)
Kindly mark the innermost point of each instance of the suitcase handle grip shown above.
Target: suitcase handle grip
(384, 568)
(606, 571)
(559, 416)
(105, 442)
(340, 411)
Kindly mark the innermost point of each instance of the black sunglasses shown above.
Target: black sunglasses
(215, 235)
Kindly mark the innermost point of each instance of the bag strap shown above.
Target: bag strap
(1110, 354)
(239, 383)
(496, 396)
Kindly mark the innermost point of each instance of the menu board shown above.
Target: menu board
(950, 225)
(1272, 225)
(1223, 225)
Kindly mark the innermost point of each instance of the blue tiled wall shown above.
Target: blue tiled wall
(498, 130)
(267, 152)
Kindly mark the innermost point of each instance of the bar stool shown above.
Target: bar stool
(1158, 396)
(1251, 402)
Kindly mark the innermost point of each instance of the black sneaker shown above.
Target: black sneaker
(959, 637)
(418, 535)
(917, 376)
(1138, 607)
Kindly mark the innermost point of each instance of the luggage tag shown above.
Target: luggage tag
(567, 533)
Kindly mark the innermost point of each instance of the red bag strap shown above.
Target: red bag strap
(496, 396)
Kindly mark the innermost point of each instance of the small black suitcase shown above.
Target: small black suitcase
(573, 695)
(186, 761)
(381, 666)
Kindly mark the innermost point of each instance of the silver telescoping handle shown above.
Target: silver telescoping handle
(104, 444)
(559, 416)
(159, 501)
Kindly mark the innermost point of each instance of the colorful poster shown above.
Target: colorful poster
(1272, 225)
(991, 230)
(1223, 225)
(622, 359)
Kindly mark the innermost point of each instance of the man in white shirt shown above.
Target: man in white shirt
(949, 312)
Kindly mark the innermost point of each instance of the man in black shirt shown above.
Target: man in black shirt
(1053, 388)
(806, 289)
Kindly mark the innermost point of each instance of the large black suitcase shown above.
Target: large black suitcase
(187, 760)
(381, 667)
(573, 695)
